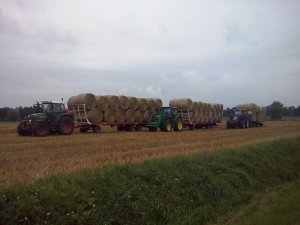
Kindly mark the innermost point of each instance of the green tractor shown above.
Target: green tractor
(49, 118)
(167, 119)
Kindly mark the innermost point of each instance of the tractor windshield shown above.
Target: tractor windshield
(165, 109)
(53, 107)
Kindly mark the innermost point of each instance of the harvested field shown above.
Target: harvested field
(24, 159)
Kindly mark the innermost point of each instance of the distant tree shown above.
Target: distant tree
(3, 113)
(24, 111)
(275, 110)
(13, 115)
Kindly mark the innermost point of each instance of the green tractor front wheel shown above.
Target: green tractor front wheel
(40, 129)
(167, 126)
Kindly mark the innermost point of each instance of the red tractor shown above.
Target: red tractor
(50, 118)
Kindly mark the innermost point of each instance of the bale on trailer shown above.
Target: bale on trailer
(119, 115)
(158, 103)
(142, 104)
(133, 103)
(139, 116)
(86, 98)
(109, 115)
(194, 106)
(113, 102)
(147, 116)
(129, 115)
(150, 104)
(102, 102)
(123, 102)
(184, 103)
(94, 115)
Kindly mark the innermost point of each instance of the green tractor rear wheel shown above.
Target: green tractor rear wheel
(178, 125)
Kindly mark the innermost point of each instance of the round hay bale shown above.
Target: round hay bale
(150, 104)
(86, 98)
(194, 106)
(71, 102)
(113, 102)
(102, 102)
(147, 116)
(200, 106)
(142, 104)
(120, 115)
(157, 103)
(197, 115)
(184, 103)
(109, 115)
(94, 115)
(133, 103)
(123, 102)
(192, 116)
(129, 115)
(139, 116)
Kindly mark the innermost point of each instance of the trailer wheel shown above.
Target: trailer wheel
(129, 128)
(120, 128)
(152, 128)
(242, 125)
(40, 129)
(138, 128)
(23, 132)
(83, 129)
(178, 125)
(97, 129)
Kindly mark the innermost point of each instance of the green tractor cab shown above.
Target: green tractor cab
(166, 119)
(49, 117)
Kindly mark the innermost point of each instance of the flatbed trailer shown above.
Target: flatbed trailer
(82, 122)
(188, 123)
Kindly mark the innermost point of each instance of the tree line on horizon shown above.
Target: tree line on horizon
(275, 111)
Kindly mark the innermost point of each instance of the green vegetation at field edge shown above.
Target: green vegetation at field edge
(189, 190)
(277, 206)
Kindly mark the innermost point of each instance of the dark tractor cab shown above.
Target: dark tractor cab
(49, 117)
(239, 119)
(166, 119)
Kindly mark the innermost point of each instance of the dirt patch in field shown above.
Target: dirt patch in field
(24, 159)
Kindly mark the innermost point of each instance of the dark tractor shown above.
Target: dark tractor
(167, 119)
(49, 118)
(240, 119)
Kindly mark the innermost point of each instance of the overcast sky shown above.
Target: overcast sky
(215, 51)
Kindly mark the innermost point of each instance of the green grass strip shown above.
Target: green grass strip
(185, 190)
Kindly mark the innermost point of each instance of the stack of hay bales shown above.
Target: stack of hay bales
(258, 112)
(112, 108)
(199, 111)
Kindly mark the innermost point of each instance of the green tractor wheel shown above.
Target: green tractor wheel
(178, 125)
(167, 126)
(40, 129)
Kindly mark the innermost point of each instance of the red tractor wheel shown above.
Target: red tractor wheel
(40, 129)
(65, 125)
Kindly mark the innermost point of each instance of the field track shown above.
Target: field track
(24, 159)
